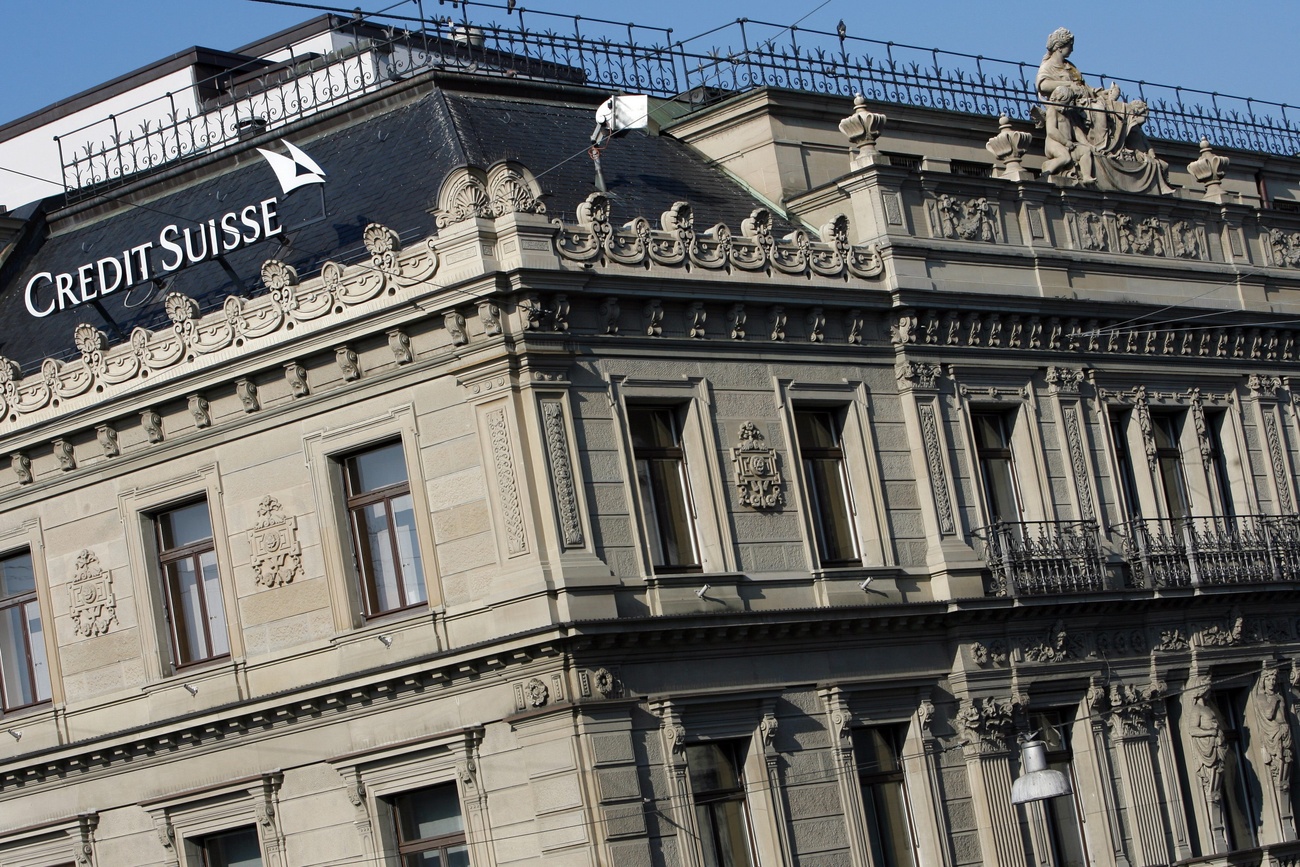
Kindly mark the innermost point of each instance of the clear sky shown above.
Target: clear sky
(56, 48)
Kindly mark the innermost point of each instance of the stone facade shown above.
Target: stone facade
(1060, 419)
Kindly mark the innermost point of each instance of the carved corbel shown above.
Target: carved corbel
(296, 375)
(348, 363)
(399, 343)
(107, 437)
(64, 454)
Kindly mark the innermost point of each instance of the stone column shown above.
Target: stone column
(986, 727)
(1096, 779)
(838, 721)
(679, 784)
(1131, 730)
(1164, 736)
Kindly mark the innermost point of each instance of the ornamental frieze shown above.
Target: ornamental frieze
(964, 219)
(1137, 235)
(594, 239)
(191, 336)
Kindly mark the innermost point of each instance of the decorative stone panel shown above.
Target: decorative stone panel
(92, 605)
(276, 552)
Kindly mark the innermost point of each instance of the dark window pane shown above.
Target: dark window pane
(997, 470)
(232, 849)
(187, 611)
(378, 468)
(665, 494)
(185, 526)
(718, 787)
(433, 812)
(16, 575)
(830, 498)
(652, 428)
(878, 753)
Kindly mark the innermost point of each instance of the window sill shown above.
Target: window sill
(391, 625)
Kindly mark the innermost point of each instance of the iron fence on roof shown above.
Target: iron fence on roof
(241, 103)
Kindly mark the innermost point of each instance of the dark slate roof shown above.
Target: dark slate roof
(384, 167)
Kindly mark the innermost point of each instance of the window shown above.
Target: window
(878, 753)
(829, 495)
(1124, 465)
(1169, 460)
(1064, 818)
(237, 848)
(382, 515)
(194, 607)
(1239, 783)
(718, 787)
(1216, 430)
(665, 492)
(430, 832)
(997, 470)
(24, 669)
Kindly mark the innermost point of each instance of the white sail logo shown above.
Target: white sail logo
(294, 171)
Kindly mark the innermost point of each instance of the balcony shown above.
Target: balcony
(1196, 552)
(1037, 558)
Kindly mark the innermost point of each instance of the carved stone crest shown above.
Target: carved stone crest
(963, 220)
(757, 477)
(276, 552)
(92, 605)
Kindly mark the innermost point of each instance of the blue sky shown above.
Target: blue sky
(56, 48)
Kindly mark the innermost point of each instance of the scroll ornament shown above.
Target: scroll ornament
(276, 552)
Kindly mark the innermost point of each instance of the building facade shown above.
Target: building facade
(425, 504)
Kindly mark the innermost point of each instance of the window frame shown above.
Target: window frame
(439, 844)
(895, 738)
(736, 750)
(700, 445)
(837, 423)
(200, 845)
(651, 513)
(354, 504)
(325, 449)
(173, 599)
(24, 601)
(1006, 422)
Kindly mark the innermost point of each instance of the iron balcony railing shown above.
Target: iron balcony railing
(1034, 558)
(1194, 552)
(621, 57)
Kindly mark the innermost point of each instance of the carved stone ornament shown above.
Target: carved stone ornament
(605, 682)
(399, 343)
(469, 192)
(758, 479)
(296, 375)
(200, 411)
(557, 451)
(1172, 639)
(1093, 138)
(1057, 647)
(22, 467)
(107, 436)
(1274, 731)
(862, 128)
(537, 691)
(985, 725)
(917, 374)
(347, 360)
(246, 391)
(455, 325)
(276, 552)
(992, 653)
(1283, 248)
(1231, 632)
(64, 454)
(1008, 147)
(507, 485)
(1209, 745)
(676, 243)
(963, 219)
(489, 316)
(152, 423)
(1209, 169)
(91, 603)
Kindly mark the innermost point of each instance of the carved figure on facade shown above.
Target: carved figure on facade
(963, 219)
(758, 479)
(1093, 137)
(1088, 231)
(1276, 741)
(1145, 236)
(1231, 632)
(1208, 741)
(1057, 647)
(276, 552)
(93, 607)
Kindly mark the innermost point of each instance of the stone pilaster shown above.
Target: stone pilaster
(986, 728)
(838, 724)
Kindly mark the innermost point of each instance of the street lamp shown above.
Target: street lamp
(1037, 782)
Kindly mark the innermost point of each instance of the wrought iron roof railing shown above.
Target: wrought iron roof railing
(621, 57)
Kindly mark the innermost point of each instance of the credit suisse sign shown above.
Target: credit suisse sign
(175, 247)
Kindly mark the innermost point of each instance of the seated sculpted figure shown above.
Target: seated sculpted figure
(1093, 136)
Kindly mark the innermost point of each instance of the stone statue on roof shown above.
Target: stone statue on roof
(1093, 136)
